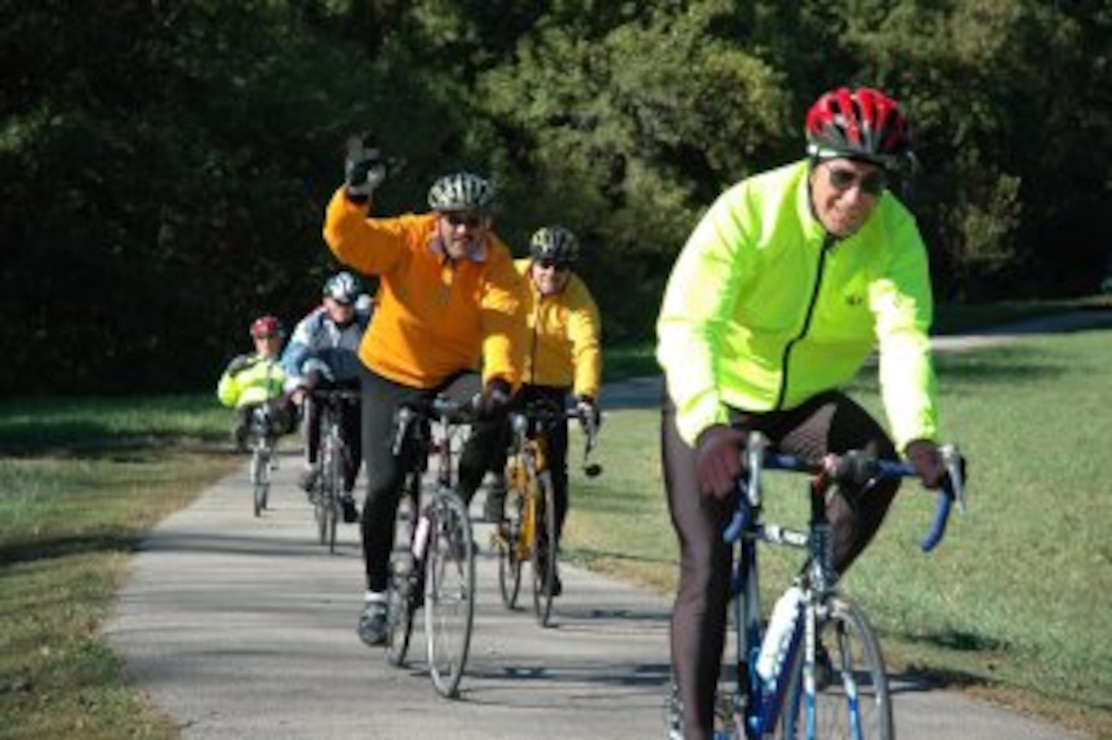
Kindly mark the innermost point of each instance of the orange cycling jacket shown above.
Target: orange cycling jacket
(564, 349)
(436, 316)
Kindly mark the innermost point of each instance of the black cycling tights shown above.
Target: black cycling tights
(829, 423)
(381, 397)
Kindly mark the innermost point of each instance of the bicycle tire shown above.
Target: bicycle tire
(404, 585)
(544, 548)
(449, 592)
(334, 481)
(512, 545)
(319, 512)
(260, 479)
(267, 467)
(855, 701)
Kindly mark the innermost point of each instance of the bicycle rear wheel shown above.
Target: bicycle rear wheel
(511, 545)
(404, 588)
(449, 591)
(851, 698)
(544, 548)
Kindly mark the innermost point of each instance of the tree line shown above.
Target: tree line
(165, 163)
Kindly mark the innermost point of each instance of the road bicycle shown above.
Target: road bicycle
(334, 459)
(433, 563)
(817, 672)
(263, 460)
(529, 533)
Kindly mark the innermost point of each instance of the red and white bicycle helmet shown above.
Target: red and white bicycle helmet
(861, 124)
(267, 326)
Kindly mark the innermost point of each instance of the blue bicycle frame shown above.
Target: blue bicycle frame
(759, 702)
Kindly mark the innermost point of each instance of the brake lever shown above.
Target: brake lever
(955, 470)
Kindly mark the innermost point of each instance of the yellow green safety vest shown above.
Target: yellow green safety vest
(764, 309)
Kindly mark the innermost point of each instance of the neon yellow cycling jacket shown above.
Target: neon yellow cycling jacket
(259, 381)
(764, 309)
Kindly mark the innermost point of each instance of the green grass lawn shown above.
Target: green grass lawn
(83, 481)
(1013, 606)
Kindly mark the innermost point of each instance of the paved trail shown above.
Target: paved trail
(244, 628)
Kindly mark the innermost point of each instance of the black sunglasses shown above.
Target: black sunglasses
(554, 265)
(873, 183)
(469, 220)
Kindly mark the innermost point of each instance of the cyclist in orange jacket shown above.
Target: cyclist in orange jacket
(448, 302)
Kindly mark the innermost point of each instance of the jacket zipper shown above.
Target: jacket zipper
(533, 347)
(785, 363)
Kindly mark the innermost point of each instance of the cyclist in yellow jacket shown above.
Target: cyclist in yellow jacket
(448, 300)
(785, 286)
(256, 378)
(563, 355)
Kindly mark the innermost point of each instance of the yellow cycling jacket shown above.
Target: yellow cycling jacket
(564, 348)
(435, 316)
(260, 380)
(764, 310)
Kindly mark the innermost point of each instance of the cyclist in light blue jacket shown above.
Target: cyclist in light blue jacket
(322, 353)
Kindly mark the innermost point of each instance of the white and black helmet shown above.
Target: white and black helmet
(462, 191)
(554, 243)
(343, 287)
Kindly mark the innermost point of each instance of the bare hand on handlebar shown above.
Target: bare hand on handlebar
(718, 459)
(924, 455)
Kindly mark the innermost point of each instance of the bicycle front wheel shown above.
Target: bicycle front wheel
(511, 545)
(449, 591)
(850, 697)
(544, 548)
(332, 472)
(260, 478)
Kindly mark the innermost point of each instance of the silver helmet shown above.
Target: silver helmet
(462, 191)
(343, 287)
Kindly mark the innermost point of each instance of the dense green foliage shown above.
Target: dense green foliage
(166, 165)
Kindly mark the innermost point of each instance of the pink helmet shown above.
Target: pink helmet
(266, 326)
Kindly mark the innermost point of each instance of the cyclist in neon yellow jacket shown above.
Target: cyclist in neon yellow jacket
(257, 378)
(784, 288)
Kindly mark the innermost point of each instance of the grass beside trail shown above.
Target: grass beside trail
(83, 481)
(1014, 605)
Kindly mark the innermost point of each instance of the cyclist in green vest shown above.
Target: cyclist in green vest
(787, 284)
(256, 378)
